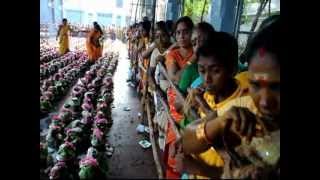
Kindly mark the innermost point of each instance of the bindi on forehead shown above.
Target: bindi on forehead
(263, 60)
(262, 52)
(261, 76)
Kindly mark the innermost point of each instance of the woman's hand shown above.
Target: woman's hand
(179, 167)
(178, 104)
(160, 58)
(193, 93)
(195, 48)
(175, 148)
(175, 151)
(193, 58)
(173, 46)
(197, 100)
(239, 120)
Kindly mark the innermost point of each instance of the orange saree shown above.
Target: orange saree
(94, 49)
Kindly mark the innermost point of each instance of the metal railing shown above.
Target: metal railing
(163, 103)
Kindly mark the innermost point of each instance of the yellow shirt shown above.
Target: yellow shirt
(211, 156)
(241, 90)
(243, 78)
(239, 98)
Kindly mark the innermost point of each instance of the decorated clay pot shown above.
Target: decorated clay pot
(60, 171)
(101, 123)
(87, 117)
(98, 141)
(74, 136)
(66, 117)
(87, 106)
(56, 121)
(102, 106)
(89, 169)
(54, 138)
(66, 152)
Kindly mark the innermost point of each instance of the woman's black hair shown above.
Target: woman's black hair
(224, 48)
(161, 25)
(169, 26)
(268, 38)
(205, 27)
(269, 20)
(186, 20)
(146, 25)
(97, 26)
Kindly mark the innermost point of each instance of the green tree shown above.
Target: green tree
(194, 8)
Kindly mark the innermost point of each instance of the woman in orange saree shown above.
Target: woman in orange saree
(94, 48)
(176, 61)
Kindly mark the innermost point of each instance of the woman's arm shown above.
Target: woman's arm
(173, 70)
(173, 46)
(198, 136)
(70, 29)
(58, 32)
(151, 72)
(140, 46)
(192, 138)
(147, 53)
(195, 96)
(177, 76)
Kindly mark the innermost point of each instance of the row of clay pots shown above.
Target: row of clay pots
(48, 54)
(77, 140)
(54, 88)
(50, 68)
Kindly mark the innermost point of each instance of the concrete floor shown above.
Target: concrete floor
(129, 160)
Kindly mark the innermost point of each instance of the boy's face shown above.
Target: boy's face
(161, 37)
(215, 76)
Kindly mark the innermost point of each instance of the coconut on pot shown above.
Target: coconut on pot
(54, 138)
(66, 152)
(89, 169)
(60, 171)
(74, 136)
(87, 117)
(98, 140)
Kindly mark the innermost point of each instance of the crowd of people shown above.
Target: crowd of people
(228, 120)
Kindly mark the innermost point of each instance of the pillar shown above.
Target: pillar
(223, 15)
(172, 10)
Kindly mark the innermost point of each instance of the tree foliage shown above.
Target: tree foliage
(194, 8)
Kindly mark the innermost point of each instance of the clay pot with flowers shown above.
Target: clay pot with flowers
(54, 138)
(60, 171)
(90, 169)
(98, 140)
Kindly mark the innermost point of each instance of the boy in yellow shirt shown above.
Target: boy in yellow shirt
(217, 64)
(245, 116)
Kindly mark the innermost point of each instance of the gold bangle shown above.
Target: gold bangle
(200, 133)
